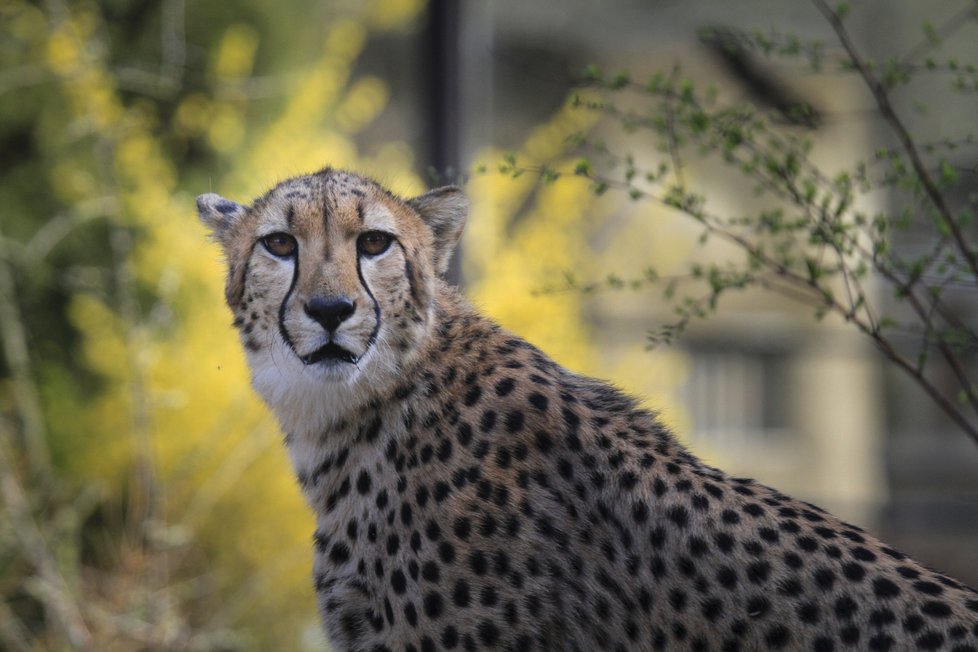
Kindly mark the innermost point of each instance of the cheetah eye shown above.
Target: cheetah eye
(373, 243)
(282, 245)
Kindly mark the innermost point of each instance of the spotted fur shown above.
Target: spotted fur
(472, 494)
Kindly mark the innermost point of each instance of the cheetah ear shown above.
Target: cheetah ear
(218, 213)
(444, 211)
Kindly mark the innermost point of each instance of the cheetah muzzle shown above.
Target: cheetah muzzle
(470, 493)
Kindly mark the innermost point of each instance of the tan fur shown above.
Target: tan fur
(472, 494)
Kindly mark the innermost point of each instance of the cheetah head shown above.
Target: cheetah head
(331, 280)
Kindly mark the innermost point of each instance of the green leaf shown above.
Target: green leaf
(949, 173)
(620, 80)
(592, 73)
(583, 167)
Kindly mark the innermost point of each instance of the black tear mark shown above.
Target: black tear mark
(281, 309)
(412, 280)
(363, 282)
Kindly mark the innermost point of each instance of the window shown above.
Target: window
(737, 397)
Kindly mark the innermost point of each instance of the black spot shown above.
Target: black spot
(758, 571)
(472, 395)
(430, 572)
(478, 562)
(712, 609)
(793, 561)
(935, 609)
(930, 640)
(730, 517)
(464, 434)
(398, 582)
(845, 608)
(421, 496)
(850, 634)
(445, 450)
(895, 554)
(853, 571)
(727, 577)
(446, 552)
(753, 509)
(807, 544)
(753, 548)
(768, 534)
(462, 528)
(488, 597)
(543, 441)
(640, 512)
(488, 632)
(538, 401)
(862, 554)
(411, 614)
(433, 605)
(724, 541)
(628, 480)
(678, 515)
(505, 386)
(339, 553)
(514, 421)
(913, 623)
(884, 588)
(881, 617)
(488, 421)
(441, 491)
(823, 644)
(777, 637)
(449, 637)
(808, 612)
(928, 588)
(697, 546)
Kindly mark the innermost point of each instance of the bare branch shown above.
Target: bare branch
(55, 592)
(17, 354)
(906, 140)
(948, 27)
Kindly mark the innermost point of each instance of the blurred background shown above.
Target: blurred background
(145, 499)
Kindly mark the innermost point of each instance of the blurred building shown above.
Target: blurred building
(809, 407)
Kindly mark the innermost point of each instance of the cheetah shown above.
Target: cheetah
(469, 493)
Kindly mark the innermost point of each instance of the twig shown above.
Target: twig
(13, 634)
(906, 140)
(16, 351)
(57, 595)
(948, 27)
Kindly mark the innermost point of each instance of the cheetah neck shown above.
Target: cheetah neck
(329, 429)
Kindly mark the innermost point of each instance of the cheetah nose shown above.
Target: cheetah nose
(331, 311)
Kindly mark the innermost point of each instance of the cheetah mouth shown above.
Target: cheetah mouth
(329, 351)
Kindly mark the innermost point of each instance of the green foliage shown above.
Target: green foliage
(145, 501)
(815, 234)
